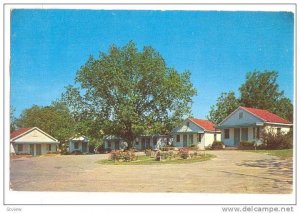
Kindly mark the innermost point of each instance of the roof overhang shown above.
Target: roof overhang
(30, 142)
(279, 124)
(240, 125)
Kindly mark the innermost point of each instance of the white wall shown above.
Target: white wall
(34, 136)
(26, 148)
(247, 118)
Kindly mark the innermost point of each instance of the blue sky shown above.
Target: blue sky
(219, 48)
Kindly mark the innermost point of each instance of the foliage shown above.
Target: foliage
(145, 160)
(225, 105)
(76, 152)
(167, 155)
(118, 155)
(272, 140)
(148, 152)
(193, 147)
(12, 118)
(54, 119)
(259, 90)
(128, 93)
(246, 145)
(184, 153)
(217, 145)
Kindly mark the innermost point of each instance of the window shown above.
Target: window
(226, 133)
(244, 134)
(240, 115)
(108, 144)
(278, 130)
(49, 147)
(177, 138)
(136, 143)
(254, 133)
(215, 137)
(187, 124)
(75, 145)
(200, 135)
(20, 147)
(191, 139)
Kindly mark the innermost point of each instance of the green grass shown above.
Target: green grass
(283, 153)
(145, 160)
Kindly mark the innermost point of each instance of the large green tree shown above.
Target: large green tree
(260, 90)
(226, 104)
(127, 92)
(55, 120)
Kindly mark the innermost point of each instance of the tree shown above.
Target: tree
(226, 104)
(12, 119)
(54, 119)
(261, 90)
(128, 93)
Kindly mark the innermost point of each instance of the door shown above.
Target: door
(38, 149)
(236, 137)
(143, 143)
(148, 143)
(184, 140)
(117, 144)
(84, 147)
(32, 149)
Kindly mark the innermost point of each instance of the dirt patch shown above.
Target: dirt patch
(230, 172)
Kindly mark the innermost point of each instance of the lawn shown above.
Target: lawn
(282, 153)
(146, 160)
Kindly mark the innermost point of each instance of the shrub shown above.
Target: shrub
(167, 148)
(246, 145)
(184, 153)
(193, 147)
(118, 155)
(217, 145)
(271, 140)
(148, 152)
(167, 155)
(76, 152)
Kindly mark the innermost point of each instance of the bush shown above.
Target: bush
(271, 140)
(184, 153)
(167, 148)
(167, 155)
(76, 152)
(246, 145)
(217, 145)
(193, 147)
(118, 155)
(148, 152)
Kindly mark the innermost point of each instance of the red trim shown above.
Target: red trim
(19, 132)
(266, 115)
(205, 124)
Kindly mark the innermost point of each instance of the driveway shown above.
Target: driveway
(230, 172)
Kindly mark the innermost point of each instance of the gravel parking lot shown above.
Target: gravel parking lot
(230, 172)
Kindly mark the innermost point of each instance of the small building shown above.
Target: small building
(112, 142)
(79, 144)
(199, 132)
(141, 143)
(246, 124)
(32, 141)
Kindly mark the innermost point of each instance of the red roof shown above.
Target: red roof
(266, 115)
(19, 132)
(205, 124)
